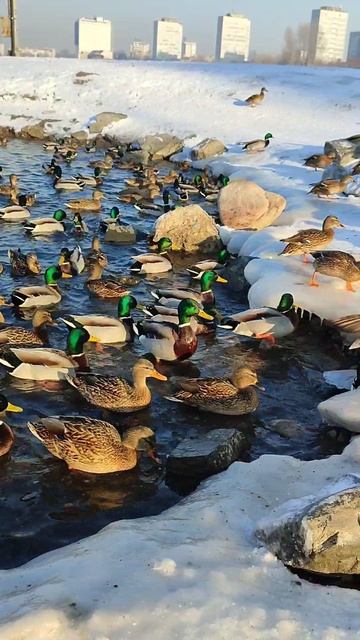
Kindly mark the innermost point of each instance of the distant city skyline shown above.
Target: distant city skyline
(52, 24)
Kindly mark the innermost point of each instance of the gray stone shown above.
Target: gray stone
(7, 132)
(245, 205)
(334, 172)
(80, 136)
(190, 228)
(346, 149)
(207, 148)
(105, 119)
(120, 234)
(161, 146)
(286, 428)
(320, 535)
(34, 131)
(234, 274)
(207, 454)
(136, 157)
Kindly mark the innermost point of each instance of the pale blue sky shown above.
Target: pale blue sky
(50, 23)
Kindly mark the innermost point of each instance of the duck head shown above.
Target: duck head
(209, 278)
(244, 377)
(114, 213)
(59, 215)
(268, 136)
(286, 303)
(164, 244)
(125, 306)
(5, 406)
(187, 309)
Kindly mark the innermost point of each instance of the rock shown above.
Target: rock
(234, 274)
(346, 149)
(245, 205)
(137, 157)
(7, 132)
(190, 229)
(286, 428)
(334, 172)
(208, 454)
(207, 149)
(120, 234)
(34, 131)
(160, 147)
(321, 535)
(105, 119)
(80, 137)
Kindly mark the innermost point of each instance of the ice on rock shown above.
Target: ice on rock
(342, 410)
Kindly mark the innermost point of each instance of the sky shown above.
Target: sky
(50, 23)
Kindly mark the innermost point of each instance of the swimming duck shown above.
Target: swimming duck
(14, 213)
(320, 160)
(114, 222)
(19, 335)
(46, 226)
(95, 252)
(141, 197)
(89, 445)
(47, 364)
(24, 199)
(49, 169)
(258, 145)
(257, 98)
(154, 262)
(104, 165)
(266, 323)
(66, 154)
(148, 206)
(326, 188)
(8, 189)
(109, 330)
(115, 393)
(79, 225)
(90, 181)
(199, 268)
(104, 287)
(205, 298)
(87, 204)
(40, 296)
(337, 264)
(71, 262)
(6, 433)
(309, 240)
(163, 314)
(53, 145)
(23, 265)
(233, 396)
(66, 184)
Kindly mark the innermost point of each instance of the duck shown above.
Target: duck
(66, 154)
(146, 206)
(141, 197)
(114, 222)
(8, 189)
(89, 445)
(326, 188)
(320, 160)
(117, 394)
(23, 265)
(257, 98)
(72, 262)
(19, 335)
(24, 199)
(90, 181)
(87, 204)
(40, 296)
(197, 270)
(309, 240)
(79, 225)
(163, 314)
(105, 165)
(336, 264)
(49, 169)
(14, 213)
(109, 330)
(266, 323)
(66, 184)
(6, 433)
(46, 226)
(205, 298)
(258, 145)
(356, 169)
(349, 327)
(104, 287)
(154, 262)
(232, 396)
(47, 364)
(53, 145)
(169, 341)
(95, 252)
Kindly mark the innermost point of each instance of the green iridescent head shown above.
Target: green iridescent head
(223, 180)
(268, 136)
(164, 244)
(198, 180)
(114, 213)
(208, 278)
(126, 305)
(52, 275)
(286, 303)
(59, 215)
(188, 308)
(77, 338)
(223, 256)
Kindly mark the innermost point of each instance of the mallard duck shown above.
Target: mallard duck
(53, 145)
(44, 296)
(154, 262)
(90, 181)
(141, 198)
(14, 213)
(266, 323)
(24, 199)
(79, 225)
(89, 445)
(6, 433)
(257, 98)
(337, 264)
(66, 154)
(349, 327)
(199, 268)
(258, 145)
(309, 240)
(326, 188)
(108, 330)
(71, 262)
(159, 313)
(232, 396)
(320, 160)
(19, 335)
(23, 265)
(46, 226)
(104, 287)
(47, 364)
(87, 204)
(95, 252)
(116, 394)
(147, 206)
(205, 298)
(66, 184)
(113, 223)
(8, 189)
(168, 341)
(49, 169)
(104, 165)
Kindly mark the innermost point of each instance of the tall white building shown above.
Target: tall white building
(140, 50)
(328, 29)
(93, 35)
(233, 38)
(189, 50)
(168, 39)
(354, 47)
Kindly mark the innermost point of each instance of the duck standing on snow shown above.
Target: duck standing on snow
(326, 188)
(309, 240)
(320, 160)
(154, 262)
(257, 98)
(46, 226)
(87, 204)
(258, 145)
(336, 264)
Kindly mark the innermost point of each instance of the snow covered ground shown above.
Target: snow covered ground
(197, 570)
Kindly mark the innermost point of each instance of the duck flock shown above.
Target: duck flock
(173, 319)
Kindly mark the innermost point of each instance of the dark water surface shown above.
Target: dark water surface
(42, 505)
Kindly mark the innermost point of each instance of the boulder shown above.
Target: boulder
(7, 132)
(81, 137)
(210, 453)
(346, 149)
(234, 274)
(160, 147)
(34, 131)
(286, 428)
(137, 157)
(120, 234)
(244, 205)
(207, 149)
(105, 119)
(320, 534)
(190, 229)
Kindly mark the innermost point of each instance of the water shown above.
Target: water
(42, 505)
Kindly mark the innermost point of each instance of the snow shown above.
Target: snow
(197, 570)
